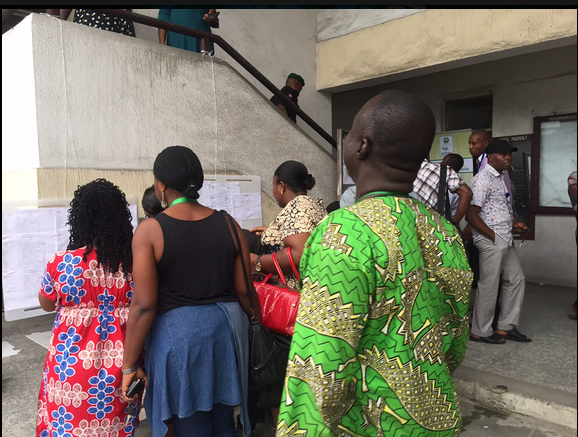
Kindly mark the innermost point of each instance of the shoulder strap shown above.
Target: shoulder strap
(233, 229)
(448, 210)
(278, 267)
(442, 191)
(295, 269)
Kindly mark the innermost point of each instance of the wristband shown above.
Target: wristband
(131, 370)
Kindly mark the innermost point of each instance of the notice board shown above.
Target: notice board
(239, 195)
(33, 231)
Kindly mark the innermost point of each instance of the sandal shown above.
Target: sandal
(492, 339)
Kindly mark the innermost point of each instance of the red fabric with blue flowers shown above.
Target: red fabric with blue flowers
(80, 394)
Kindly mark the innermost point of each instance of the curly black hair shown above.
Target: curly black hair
(99, 219)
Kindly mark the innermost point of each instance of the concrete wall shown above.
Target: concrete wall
(523, 87)
(333, 23)
(437, 40)
(104, 101)
(277, 42)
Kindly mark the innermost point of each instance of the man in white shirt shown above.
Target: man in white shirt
(348, 197)
(491, 217)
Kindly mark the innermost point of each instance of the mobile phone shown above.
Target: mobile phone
(136, 388)
(214, 15)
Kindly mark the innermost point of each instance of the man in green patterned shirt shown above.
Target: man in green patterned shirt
(385, 290)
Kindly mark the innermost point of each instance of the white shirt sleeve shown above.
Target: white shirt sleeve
(348, 197)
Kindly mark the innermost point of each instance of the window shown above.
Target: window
(471, 113)
(553, 159)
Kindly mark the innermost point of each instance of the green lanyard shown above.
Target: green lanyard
(383, 194)
(182, 200)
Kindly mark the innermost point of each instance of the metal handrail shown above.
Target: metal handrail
(216, 39)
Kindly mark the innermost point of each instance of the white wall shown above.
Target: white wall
(523, 87)
(276, 42)
(334, 23)
(19, 151)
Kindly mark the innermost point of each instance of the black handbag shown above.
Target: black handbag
(264, 368)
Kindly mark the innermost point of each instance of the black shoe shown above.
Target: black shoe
(269, 420)
(514, 335)
(492, 339)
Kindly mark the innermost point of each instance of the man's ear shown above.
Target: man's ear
(364, 150)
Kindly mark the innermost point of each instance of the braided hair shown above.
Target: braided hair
(295, 176)
(99, 219)
(179, 168)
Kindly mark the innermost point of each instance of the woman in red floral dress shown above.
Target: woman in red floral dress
(90, 286)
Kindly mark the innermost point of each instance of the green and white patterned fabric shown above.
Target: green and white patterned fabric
(382, 323)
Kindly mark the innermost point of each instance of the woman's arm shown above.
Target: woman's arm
(162, 36)
(143, 306)
(165, 15)
(46, 304)
(296, 242)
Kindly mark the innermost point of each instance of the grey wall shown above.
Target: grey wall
(277, 42)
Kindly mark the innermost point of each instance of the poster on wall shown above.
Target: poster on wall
(446, 145)
(239, 195)
(32, 232)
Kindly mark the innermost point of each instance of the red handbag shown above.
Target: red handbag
(279, 303)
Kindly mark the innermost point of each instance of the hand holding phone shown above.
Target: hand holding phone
(136, 388)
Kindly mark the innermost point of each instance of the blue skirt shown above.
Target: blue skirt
(191, 361)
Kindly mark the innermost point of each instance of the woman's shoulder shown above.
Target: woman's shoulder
(305, 201)
(72, 257)
(304, 212)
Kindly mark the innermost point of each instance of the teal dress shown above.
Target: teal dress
(190, 18)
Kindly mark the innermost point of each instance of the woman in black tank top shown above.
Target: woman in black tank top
(190, 306)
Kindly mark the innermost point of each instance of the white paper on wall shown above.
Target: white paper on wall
(247, 206)
(30, 237)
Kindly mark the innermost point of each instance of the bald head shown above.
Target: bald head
(391, 135)
(400, 126)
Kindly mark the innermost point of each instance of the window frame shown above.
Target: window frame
(535, 206)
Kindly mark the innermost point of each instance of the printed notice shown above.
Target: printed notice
(446, 145)
(30, 237)
(247, 206)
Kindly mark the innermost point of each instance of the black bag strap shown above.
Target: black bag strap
(233, 229)
(442, 191)
(448, 210)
